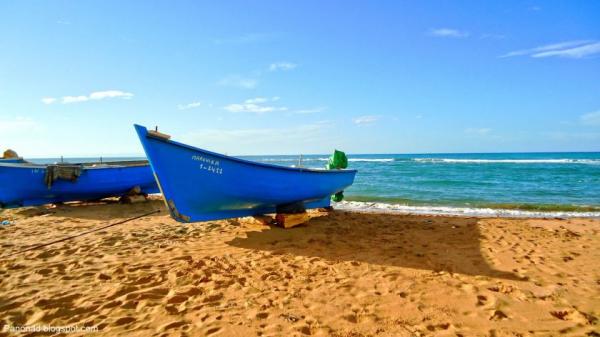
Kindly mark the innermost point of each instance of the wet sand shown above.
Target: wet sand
(342, 274)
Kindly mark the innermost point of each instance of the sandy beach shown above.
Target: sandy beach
(342, 274)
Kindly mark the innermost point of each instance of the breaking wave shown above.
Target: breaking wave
(378, 207)
(307, 159)
(372, 159)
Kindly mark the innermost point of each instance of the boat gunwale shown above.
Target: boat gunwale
(244, 161)
(85, 166)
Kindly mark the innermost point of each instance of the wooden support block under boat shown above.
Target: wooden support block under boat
(264, 219)
(134, 195)
(132, 199)
(291, 220)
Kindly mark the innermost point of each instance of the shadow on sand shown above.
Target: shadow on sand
(106, 209)
(420, 242)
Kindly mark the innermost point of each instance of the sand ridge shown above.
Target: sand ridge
(342, 274)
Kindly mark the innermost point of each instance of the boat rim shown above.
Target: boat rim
(87, 166)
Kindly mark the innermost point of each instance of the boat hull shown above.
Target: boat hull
(200, 185)
(24, 185)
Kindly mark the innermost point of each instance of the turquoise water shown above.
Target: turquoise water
(538, 182)
(519, 181)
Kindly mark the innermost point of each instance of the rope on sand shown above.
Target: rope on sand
(80, 234)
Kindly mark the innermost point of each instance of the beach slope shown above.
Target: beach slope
(342, 274)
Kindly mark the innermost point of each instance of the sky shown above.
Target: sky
(300, 77)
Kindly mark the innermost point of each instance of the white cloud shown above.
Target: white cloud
(570, 49)
(310, 110)
(256, 100)
(16, 125)
(256, 135)
(592, 118)
(110, 94)
(74, 99)
(576, 52)
(255, 105)
(189, 106)
(478, 131)
(239, 81)
(448, 32)
(271, 139)
(282, 66)
(48, 100)
(365, 120)
(249, 107)
(553, 46)
(97, 95)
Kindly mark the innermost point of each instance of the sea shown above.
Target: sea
(564, 184)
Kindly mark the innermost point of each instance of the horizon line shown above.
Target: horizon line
(318, 154)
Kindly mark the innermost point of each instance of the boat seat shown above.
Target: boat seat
(62, 172)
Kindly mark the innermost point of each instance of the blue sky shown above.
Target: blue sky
(290, 77)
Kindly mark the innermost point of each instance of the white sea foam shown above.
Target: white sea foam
(448, 160)
(326, 159)
(510, 161)
(360, 159)
(377, 207)
(279, 159)
(371, 159)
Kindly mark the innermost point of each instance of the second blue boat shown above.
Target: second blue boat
(28, 184)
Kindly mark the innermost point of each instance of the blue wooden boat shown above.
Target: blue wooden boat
(28, 184)
(200, 185)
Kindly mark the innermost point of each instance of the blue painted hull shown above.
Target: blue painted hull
(22, 184)
(200, 185)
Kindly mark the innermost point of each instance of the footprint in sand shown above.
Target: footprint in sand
(111, 304)
(502, 288)
(212, 331)
(120, 291)
(171, 325)
(305, 330)
(177, 299)
(436, 327)
(213, 299)
(172, 310)
(498, 315)
(125, 320)
(574, 316)
(351, 318)
(48, 253)
(103, 277)
(567, 258)
(44, 271)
